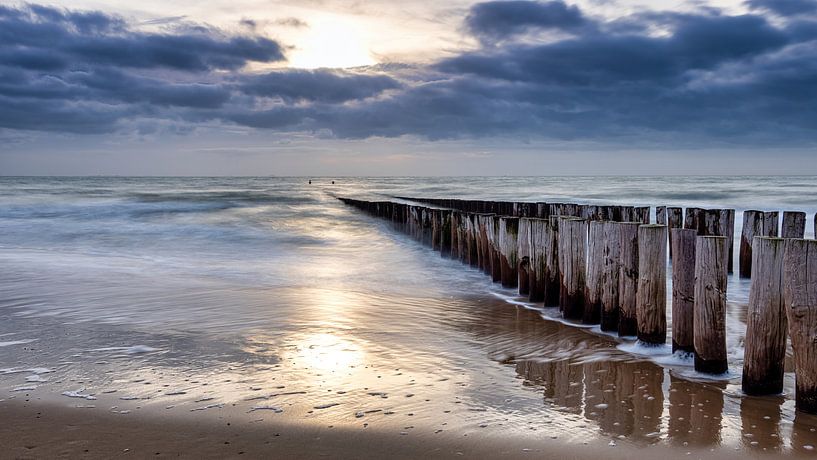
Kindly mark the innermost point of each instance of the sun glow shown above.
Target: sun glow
(333, 42)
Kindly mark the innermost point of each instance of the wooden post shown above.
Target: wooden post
(675, 220)
(507, 245)
(539, 237)
(572, 253)
(765, 342)
(609, 276)
(427, 229)
(651, 298)
(800, 302)
(552, 275)
(727, 228)
(692, 217)
(484, 260)
(661, 215)
(794, 224)
(710, 304)
(455, 222)
(493, 249)
(683, 289)
(628, 279)
(445, 235)
(755, 223)
(523, 255)
(641, 214)
(472, 239)
(595, 263)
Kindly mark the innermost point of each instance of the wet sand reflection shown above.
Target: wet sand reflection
(579, 373)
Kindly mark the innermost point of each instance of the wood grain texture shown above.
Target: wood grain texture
(710, 304)
(523, 254)
(683, 289)
(794, 224)
(651, 296)
(800, 303)
(755, 223)
(628, 278)
(595, 263)
(611, 268)
(765, 342)
(572, 266)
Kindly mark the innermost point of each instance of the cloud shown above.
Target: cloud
(321, 85)
(291, 22)
(679, 79)
(785, 7)
(501, 19)
(93, 38)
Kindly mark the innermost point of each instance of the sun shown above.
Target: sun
(331, 42)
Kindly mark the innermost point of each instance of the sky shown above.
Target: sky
(323, 87)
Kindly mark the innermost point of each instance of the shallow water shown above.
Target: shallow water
(189, 296)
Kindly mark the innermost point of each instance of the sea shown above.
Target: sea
(187, 295)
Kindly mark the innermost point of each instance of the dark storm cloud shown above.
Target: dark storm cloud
(500, 19)
(706, 78)
(785, 7)
(97, 39)
(315, 85)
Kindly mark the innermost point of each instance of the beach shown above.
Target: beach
(261, 317)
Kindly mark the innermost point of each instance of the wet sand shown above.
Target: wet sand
(51, 431)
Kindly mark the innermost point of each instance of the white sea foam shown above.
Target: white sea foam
(25, 388)
(78, 394)
(275, 409)
(16, 342)
(133, 350)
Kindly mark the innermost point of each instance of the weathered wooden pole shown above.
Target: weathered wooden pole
(609, 276)
(595, 264)
(493, 249)
(675, 220)
(456, 228)
(572, 254)
(641, 214)
(794, 224)
(445, 235)
(484, 261)
(692, 218)
(661, 215)
(628, 279)
(727, 228)
(651, 298)
(710, 304)
(508, 247)
(755, 223)
(523, 254)
(765, 344)
(683, 289)
(539, 238)
(427, 234)
(800, 302)
(552, 275)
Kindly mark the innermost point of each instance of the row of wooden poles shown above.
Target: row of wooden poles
(607, 265)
